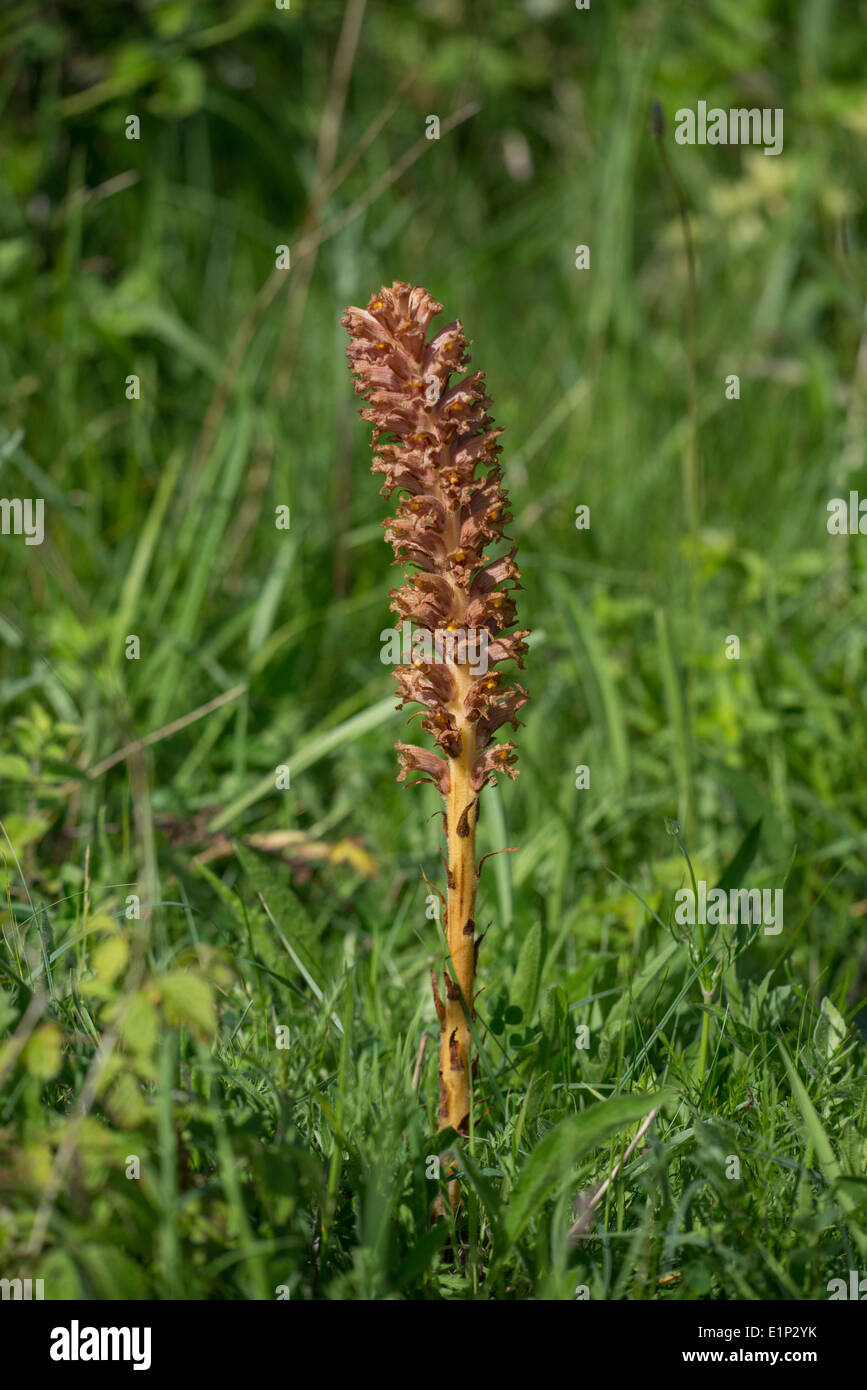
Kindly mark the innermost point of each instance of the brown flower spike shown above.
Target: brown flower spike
(435, 445)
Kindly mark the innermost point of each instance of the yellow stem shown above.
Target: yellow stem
(455, 1049)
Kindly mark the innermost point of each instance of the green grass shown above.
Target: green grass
(304, 1167)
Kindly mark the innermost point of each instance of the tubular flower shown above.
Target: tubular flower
(435, 445)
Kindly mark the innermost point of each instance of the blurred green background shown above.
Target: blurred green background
(155, 257)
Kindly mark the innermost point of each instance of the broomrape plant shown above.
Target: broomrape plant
(435, 445)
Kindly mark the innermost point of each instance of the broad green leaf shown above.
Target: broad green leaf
(15, 768)
(289, 913)
(830, 1032)
(24, 831)
(125, 1102)
(140, 1023)
(42, 1054)
(188, 999)
(109, 958)
(551, 1164)
(528, 973)
(60, 1275)
(553, 1013)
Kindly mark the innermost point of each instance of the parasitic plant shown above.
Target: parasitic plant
(435, 445)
